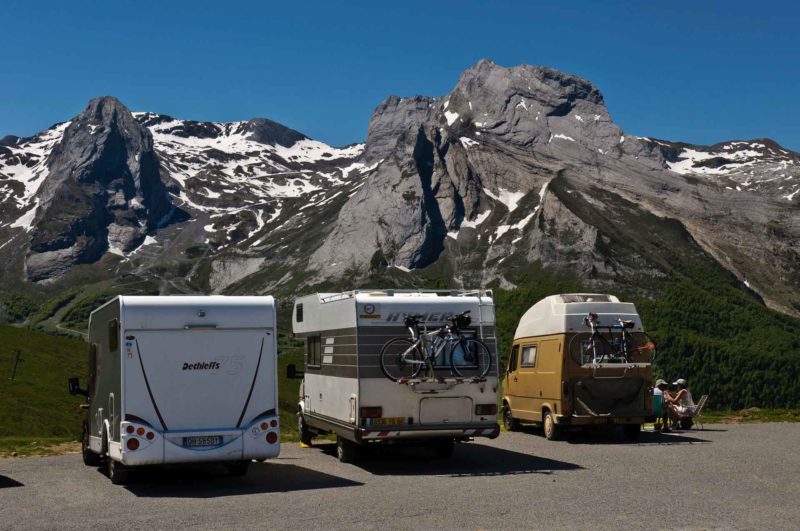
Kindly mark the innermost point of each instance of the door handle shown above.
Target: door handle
(515, 378)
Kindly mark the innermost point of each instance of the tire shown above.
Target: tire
(89, 457)
(117, 472)
(509, 422)
(632, 431)
(305, 433)
(477, 357)
(444, 448)
(394, 365)
(346, 451)
(238, 469)
(552, 431)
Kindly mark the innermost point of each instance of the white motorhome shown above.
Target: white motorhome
(345, 391)
(181, 379)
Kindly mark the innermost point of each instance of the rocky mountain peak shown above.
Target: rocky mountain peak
(101, 191)
(268, 132)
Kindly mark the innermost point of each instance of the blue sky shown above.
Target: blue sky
(696, 71)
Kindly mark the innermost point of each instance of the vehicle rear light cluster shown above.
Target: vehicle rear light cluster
(486, 409)
(272, 437)
(133, 443)
(370, 412)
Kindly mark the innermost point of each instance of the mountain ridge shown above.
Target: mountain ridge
(514, 166)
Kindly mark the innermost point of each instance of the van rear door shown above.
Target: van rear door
(199, 379)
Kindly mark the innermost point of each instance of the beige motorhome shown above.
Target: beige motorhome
(579, 360)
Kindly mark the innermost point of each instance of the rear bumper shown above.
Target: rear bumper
(168, 446)
(586, 420)
(427, 432)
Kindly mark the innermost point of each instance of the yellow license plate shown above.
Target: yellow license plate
(390, 421)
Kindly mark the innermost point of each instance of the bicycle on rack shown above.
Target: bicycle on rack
(402, 358)
(622, 347)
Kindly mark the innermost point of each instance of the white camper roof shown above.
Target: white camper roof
(186, 311)
(559, 314)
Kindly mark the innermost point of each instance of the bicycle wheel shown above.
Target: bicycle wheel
(585, 349)
(641, 348)
(470, 357)
(400, 358)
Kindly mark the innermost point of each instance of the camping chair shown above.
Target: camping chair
(693, 415)
(698, 411)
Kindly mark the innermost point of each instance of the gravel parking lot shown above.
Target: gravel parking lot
(728, 476)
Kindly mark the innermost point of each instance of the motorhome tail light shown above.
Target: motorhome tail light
(272, 437)
(140, 432)
(132, 444)
(486, 409)
(150, 435)
(264, 425)
(370, 412)
(273, 423)
(130, 429)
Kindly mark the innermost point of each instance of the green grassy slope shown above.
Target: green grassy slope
(36, 403)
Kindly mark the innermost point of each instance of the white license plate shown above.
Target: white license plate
(205, 440)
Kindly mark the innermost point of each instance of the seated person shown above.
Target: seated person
(662, 389)
(680, 404)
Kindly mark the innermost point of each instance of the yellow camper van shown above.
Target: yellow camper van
(579, 360)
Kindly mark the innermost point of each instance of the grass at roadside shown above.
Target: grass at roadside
(31, 446)
(751, 415)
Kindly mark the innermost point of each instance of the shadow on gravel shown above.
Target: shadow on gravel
(468, 460)
(612, 436)
(213, 482)
(6, 482)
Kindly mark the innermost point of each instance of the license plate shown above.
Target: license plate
(205, 440)
(390, 421)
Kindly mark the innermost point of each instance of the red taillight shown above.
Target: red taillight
(486, 409)
(132, 444)
(370, 412)
(273, 423)
(140, 431)
(150, 435)
(264, 425)
(272, 437)
(130, 429)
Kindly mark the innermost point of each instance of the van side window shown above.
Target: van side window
(298, 313)
(113, 335)
(313, 351)
(528, 356)
(512, 361)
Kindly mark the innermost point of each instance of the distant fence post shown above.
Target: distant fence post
(17, 359)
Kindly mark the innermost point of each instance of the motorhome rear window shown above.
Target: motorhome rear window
(586, 298)
(299, 313)
(113, 335)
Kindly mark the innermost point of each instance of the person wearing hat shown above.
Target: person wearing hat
(662, 389)
(681, 403)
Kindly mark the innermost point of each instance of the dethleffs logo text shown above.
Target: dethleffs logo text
(431, 317)
(201, 366)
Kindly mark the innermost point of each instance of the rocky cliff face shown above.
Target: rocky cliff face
(102, 190)
(515, 169)
(471, 177)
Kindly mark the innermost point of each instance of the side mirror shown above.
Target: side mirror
(292, 372)
(75, 387)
